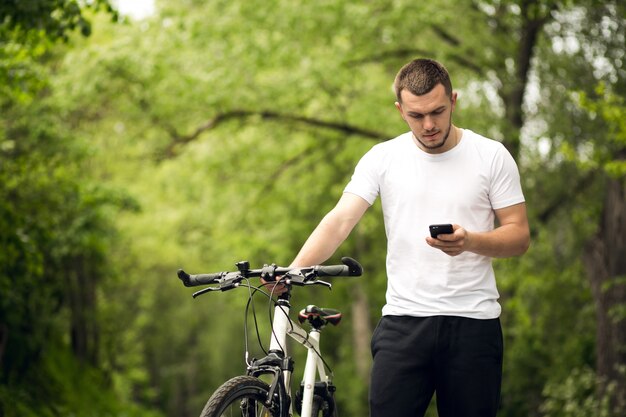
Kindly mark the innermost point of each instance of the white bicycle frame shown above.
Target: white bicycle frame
(282, 326)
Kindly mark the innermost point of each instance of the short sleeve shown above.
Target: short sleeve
(506, 189)
(365, 181)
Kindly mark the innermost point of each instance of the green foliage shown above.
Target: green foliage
(576, 396)
(56, 18)
(608, 149)
(543, 340)
(28, 31)
(65, 387)
(55, 231)
(20, 72)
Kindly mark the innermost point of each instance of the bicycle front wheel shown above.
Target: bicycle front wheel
(243, 396)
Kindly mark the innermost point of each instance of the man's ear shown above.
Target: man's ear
(399, 107)
(453, 100)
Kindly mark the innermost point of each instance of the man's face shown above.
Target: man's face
(429, 117)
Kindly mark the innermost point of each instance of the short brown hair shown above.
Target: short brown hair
(420, 76)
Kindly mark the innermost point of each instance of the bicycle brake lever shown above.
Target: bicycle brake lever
(204, 291)
(316, 282)
(303, 279)
(323, 283)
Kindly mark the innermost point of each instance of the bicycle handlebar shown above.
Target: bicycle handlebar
(298, 276)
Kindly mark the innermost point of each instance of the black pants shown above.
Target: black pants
(458, 358)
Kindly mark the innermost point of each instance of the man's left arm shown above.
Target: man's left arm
(510, 238)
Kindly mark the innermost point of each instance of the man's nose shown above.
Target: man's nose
(429, 123)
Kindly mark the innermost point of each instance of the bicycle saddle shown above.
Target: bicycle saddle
(319, 317)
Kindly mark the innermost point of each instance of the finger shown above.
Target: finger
(448, 237)
(436, 242)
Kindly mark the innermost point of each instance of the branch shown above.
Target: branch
(567, 195)
(393, 54)
(455, 43)
(464, 62)
(447, 37)
(289, 163)
(414, 52)
(220, 118)
(145, 106)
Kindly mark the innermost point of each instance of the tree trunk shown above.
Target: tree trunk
(605, 262)
(4, 336)
(81, 294)
(512, 93)
(362, 331)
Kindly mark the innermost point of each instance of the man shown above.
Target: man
(440, 331)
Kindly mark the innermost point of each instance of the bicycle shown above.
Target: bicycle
(248, 395)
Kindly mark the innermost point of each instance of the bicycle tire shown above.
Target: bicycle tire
(242, 396)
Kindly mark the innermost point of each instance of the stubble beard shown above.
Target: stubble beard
(440, 144)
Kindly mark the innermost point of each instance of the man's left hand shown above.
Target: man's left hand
(451, 244)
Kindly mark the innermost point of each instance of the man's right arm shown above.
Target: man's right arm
(332, 231)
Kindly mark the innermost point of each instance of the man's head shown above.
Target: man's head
(426, 102)
(420, 76)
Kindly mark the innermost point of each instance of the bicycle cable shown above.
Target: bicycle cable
(251, 295)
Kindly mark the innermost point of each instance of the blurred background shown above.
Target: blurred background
(137, 138)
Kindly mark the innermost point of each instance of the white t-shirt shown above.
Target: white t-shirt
(463, 186)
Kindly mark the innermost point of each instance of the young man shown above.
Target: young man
(440, 330)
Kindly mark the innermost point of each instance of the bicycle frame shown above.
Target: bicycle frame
(282, 327)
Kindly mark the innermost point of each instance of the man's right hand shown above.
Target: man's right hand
(275, 287)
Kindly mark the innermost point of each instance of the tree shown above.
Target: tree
(55, 228)
(55, 18)
(594, 142)
(603, 257)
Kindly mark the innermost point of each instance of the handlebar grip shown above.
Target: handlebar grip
(355, 268)
(199, 279)
(350, 268)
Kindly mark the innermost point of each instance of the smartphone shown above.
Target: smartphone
(440, 229)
